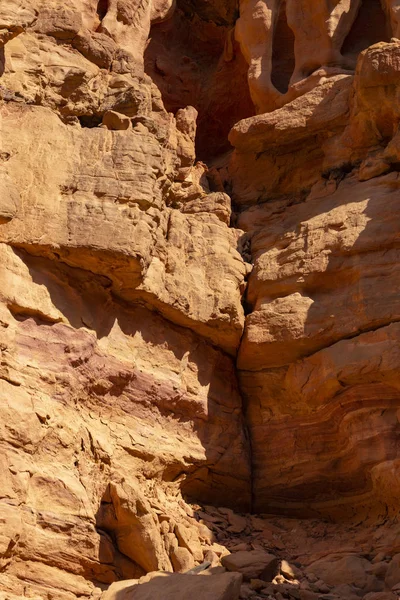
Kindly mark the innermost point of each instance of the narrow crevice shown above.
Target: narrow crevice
(247, 433)
(10, 381)
(102, 9)
(246, 424)
(340, 172)
(2, 61)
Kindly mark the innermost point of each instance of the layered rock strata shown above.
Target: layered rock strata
(157, 344)
(121, 307)
(318, 356)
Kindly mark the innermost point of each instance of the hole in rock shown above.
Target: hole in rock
(195, 62)
(102, 9)
(90, 121)
(283, 52)
(371, 26)
(395, 166)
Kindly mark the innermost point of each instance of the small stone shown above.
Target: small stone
(257, 584)
(289, 571)
(220, 550)
(213, 558)
(170, 542)
(322, 587)
(164, 527)
(239, 547)
(237, 523)
(205, 534)
(246, 592)
(378, 558)
(396, 588)
(379, 569)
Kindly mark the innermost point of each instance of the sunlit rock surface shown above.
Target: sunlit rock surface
(199, 299)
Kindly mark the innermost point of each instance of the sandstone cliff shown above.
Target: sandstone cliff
(198, 300)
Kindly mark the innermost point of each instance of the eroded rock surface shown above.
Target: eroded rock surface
(316, 370)
(223, 333)
(121, 313)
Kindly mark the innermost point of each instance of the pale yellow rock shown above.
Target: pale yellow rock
(182, 560)
(128, 516)
(9, 198)
(115, 121)
(121, 589)
(188, 538)
(123, 290)
(154, 250)
(15, 17)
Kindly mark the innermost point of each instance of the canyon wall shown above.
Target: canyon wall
(199, 255)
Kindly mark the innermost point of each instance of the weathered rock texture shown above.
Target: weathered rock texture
(318, 357)
(120, 307)
(224, 331)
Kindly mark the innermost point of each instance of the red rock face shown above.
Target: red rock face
(198, 282)
(323, 441)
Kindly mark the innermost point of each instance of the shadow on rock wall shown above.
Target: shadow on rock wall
(324, 406)
(195, 61)
(152, 370)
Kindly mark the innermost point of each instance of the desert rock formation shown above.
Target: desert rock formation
(199, 311)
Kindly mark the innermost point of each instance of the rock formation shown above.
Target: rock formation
(198, 299)
(322, 402)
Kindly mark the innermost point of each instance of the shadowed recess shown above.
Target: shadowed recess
(369, 28)
(283, 52)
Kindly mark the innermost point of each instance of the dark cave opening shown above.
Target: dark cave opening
(370, 27)
(90, 121)
(283, 60)
(102, 9)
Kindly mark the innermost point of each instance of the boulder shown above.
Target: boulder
(116, 121)
(351, 570)
(254, 564)
(181, 560)
(289, 571)
(126, 514)
(178, 587)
